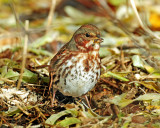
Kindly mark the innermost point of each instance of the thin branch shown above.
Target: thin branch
(140, 21)
(121, 25)
(18, 22)
(117, 21)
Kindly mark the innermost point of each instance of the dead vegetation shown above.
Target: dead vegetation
(127, 94)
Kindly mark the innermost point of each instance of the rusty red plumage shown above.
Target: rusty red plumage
(75, 69)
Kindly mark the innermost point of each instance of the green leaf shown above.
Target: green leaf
(46, 79)
(29, 76)
(3, 71)
(78, 16)
(151, 85)
(117, 2)
(149, 96)
(10, 63)
(73, 12)
(49, 37)
(149, 68)
(126, 124)
(121, 100)
(115, 76)
(68, 121)
(104, 52)
(40, 51)
(53, 118)
(14, 110)
(8, 73)
(12, 74)
(137, 61)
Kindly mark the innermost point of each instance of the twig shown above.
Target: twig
(142, 90)
(50, 16)
(4, 120)
(25, 112)
(24, 54)
(122, 59)
(30, 122)
(40, 113)
(109, 82)
(29, 125)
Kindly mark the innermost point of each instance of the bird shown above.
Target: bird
(75, 69)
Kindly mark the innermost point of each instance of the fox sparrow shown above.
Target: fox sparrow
(75, 69)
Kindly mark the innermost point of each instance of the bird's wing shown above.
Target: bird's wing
(58, 58)
(54, 65)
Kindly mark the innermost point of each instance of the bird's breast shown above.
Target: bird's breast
(79, 74)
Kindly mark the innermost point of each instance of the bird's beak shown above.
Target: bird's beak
(98, 40)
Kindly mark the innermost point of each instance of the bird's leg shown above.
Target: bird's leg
(53, 96)
(85, 96)
(54, 90)
(51, 80)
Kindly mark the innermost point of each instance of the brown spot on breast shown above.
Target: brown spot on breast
(97, 75)
(86, 65)
(65, 79)
(69, 72)
(59, 70)
(91, 60)
(64, 71)
(71, 67)
(66, 57)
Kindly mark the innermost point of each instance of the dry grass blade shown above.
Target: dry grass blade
(127, 93)
(19, 23)
(24, 54)
(50, 16)
(100, 123)
(122, 59)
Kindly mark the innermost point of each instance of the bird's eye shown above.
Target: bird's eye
(87, 35)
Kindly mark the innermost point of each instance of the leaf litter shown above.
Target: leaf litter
(127, 94)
